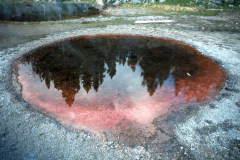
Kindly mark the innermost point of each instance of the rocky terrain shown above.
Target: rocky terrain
(45, 11)
(208, 131)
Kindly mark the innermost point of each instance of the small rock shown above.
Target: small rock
(100, 2)
(211, 4)
(136, 2)
(208, 121)
(117, 3)
(199, 1)
(161, 1)
(215, 3)
(232, 90)
(201, 7)
(238, 104)
(226, 95)
(212, 106)
(218, 2)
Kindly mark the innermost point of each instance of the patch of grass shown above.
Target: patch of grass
(180, 2)
(165, 9)
(115, 22)
(231, 7)
(82, 1)
(56, 22)
(90, 24)
(45, 22)
(85, 23)
(186, 7)
(106, 23)
(30, 23)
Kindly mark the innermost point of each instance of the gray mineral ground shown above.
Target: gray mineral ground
(198, 131)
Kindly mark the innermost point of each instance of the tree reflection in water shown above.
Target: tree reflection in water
(86, 62)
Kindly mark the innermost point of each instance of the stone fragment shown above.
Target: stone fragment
(202, 7)
(199, 1)
(217, 2)
(117, 3)
(211, 4)
(153, 1)
(136, 2)
(100, 2)
(238, 104)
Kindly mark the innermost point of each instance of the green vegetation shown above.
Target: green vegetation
(179, 2)
(164, 9)
(85, 23)
(170, 7)
(185, 7)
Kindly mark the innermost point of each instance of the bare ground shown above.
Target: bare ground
(211, 131)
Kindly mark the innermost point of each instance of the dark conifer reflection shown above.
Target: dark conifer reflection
(86, 60)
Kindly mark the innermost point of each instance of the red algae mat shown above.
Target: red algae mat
(116, 82)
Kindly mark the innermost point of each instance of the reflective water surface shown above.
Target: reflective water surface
(113, 82)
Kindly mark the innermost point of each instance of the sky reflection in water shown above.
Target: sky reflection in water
(112, 82)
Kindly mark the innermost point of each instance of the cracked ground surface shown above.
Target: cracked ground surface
(209, 131)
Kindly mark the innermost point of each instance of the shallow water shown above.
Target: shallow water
(116, 82)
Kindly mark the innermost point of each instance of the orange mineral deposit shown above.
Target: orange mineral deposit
(111, 82)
